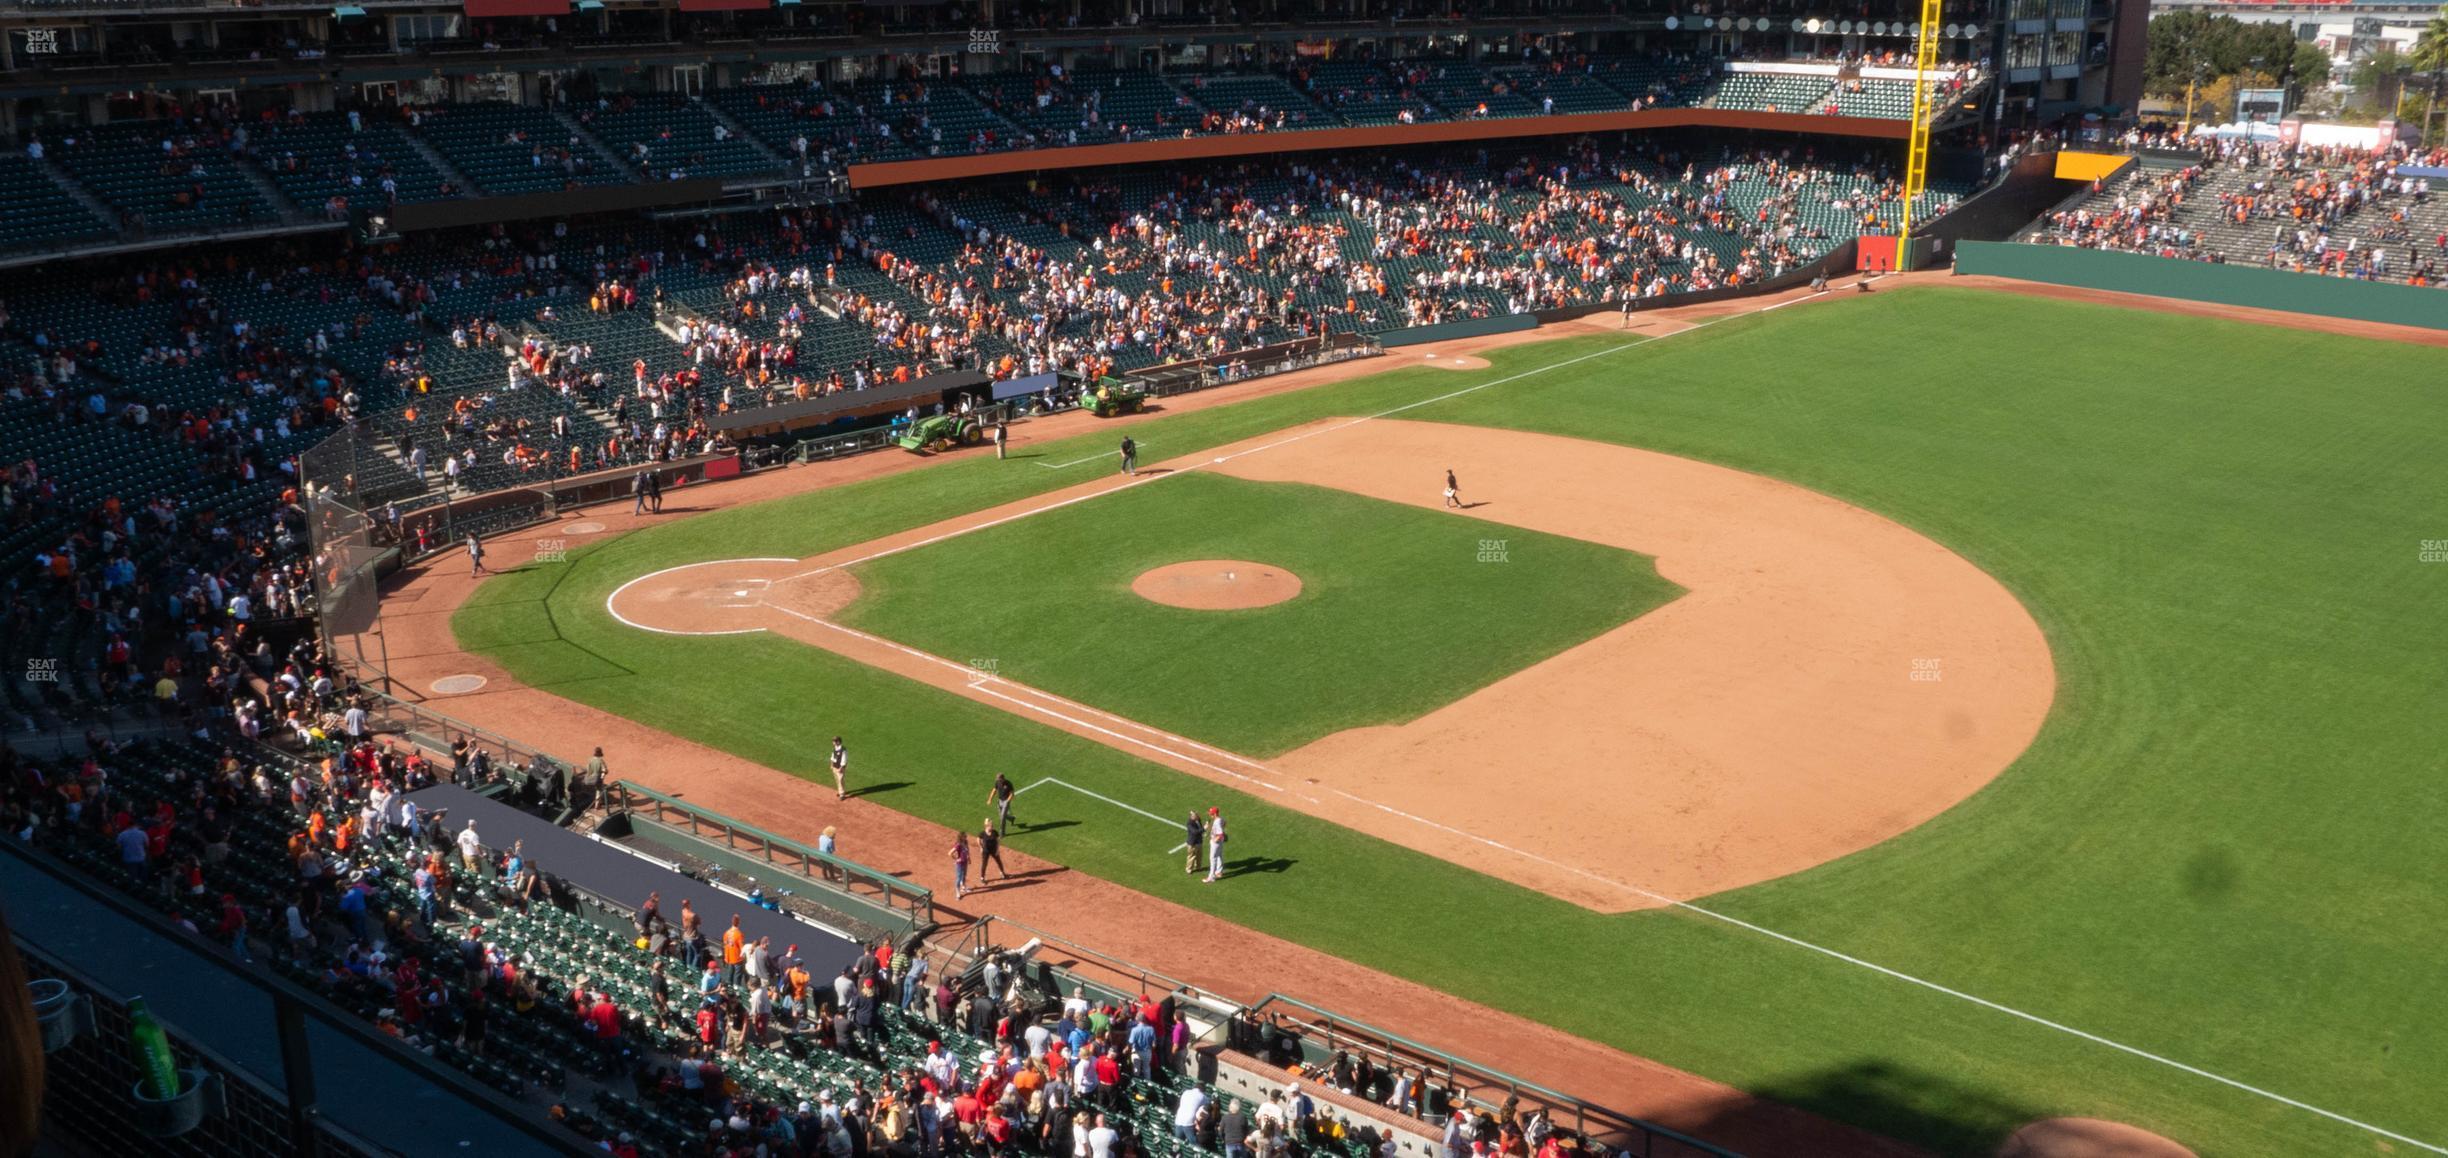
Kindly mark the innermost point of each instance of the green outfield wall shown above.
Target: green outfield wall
(2201, 281)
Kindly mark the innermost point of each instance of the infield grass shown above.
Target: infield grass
(2223, 847)
(1397, 613)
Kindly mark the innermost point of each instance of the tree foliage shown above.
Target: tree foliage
(2431, 48)
(2186, 45)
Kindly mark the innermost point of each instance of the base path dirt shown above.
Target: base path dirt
(1230, 960)
(2088, 1138)
(1829, 680)
(1216, 585)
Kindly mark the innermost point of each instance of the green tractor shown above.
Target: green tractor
(1114, 396)
(940, 431)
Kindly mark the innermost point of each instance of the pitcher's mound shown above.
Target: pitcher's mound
(2088, 1138)
(1217, 585)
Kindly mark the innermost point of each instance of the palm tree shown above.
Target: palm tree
(2430, 55)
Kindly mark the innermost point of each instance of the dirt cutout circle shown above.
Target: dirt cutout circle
(2088, 1138)
(1217, 585)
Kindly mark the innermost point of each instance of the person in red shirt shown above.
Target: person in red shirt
(998, 1130)
(232, 929)
(606, 1018)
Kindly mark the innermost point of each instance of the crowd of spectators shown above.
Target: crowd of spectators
(2333, 211)
(1227, 258)
(317, 861)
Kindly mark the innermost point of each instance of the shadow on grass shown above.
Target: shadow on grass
(1018, 827)
(876, 789)
(1900, 1102)
(1256, 864)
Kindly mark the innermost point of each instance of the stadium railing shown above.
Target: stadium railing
(438, 733)
(1184, 377)
(1322, 1032)
(86, 1092)
(914, 905)
(1114, 979)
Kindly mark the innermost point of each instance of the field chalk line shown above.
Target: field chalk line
(1667, 901)
(1077, 461)
(1107, 799)
(1143, 480)
(612, 601)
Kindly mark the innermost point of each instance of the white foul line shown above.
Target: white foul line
(1662, 899)
(612, 601)
(1145, 479)
(1107, 799)
(978, 682)
(1077, 461)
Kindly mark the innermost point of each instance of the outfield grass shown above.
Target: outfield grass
(1397, 615)
(2221, 848)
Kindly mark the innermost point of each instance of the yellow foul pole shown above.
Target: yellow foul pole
(1916, 157)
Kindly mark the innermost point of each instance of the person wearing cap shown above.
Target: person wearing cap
(1194, 834)
(1457, 1136)
(1215, 844)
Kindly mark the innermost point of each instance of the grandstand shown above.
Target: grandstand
(214, 168)
(413, 276)
(2344, 214)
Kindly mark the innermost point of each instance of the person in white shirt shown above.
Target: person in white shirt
(1186, 1114)
(1215, 844)
(471, 847)
(1101, 1139)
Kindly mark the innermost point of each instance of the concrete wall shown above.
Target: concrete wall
(2201, 281)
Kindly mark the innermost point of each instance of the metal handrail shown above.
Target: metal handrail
(981, 931)
(1425, 1057)
(916, 902)
(293, 1005)
(453, 728)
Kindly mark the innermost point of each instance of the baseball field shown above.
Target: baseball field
(1939, 709)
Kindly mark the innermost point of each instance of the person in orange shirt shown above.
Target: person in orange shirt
(798, 981)
(735, 945)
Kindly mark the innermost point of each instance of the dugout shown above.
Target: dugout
(853, 409)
